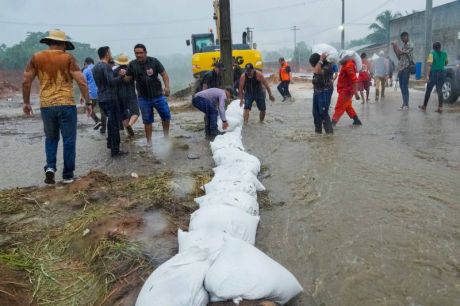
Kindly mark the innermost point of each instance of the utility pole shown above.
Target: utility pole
(226, 41)
(428, 28)
(342, 27)
(295, 29)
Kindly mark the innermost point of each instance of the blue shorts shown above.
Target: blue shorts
(159, 103)
(259, 98)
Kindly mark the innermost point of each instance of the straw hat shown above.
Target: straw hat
(57, 35)
(122, 60)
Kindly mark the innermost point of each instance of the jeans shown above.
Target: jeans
(96, 119)
(112, 110)
(436, 79)
(321, 103)
(211, 113)
(159, 103)
(283, 89)
(61, 119)
(403, 77)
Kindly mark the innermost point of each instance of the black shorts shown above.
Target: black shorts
(259, 98)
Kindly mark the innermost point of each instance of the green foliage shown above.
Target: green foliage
(381, 27)
(358, 42)
(17, 56)
(301, 54)
(272, 56)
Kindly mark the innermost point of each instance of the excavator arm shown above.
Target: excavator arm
(215, 4)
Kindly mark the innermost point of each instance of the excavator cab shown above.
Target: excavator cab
(201, 42)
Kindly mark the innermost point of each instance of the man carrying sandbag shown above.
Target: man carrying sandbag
(212, 103)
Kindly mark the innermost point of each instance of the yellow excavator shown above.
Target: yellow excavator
(206, 50)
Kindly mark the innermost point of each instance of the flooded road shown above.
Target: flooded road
(368, 216)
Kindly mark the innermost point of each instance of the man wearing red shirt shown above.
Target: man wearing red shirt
(346, 87)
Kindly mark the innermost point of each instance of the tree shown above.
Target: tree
(272, 56)
(358, 42)
(17, 56)
(301, 54)
(381, 27)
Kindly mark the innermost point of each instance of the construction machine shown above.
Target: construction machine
(206, 49)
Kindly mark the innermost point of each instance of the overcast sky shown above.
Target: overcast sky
(164, 25)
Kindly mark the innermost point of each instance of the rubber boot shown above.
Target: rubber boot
(356, 121)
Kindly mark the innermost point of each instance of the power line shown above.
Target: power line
(152, 23)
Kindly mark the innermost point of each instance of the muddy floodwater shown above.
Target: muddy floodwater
(368, 216)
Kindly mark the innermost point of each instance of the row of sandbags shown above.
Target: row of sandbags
(217, 260)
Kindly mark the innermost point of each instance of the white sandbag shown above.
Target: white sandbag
(178, 282)
(332, 53)
(244, 167)
(347, 54)
(234, 109)
(241, 271)
(230, 220)
(233, 123)
(241, 200)
(238, 171)
(211, 240)
(234, 179)
(232, 155)
(228, 140)
(231, 186)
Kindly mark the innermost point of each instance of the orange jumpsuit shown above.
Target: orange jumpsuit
(346, 89)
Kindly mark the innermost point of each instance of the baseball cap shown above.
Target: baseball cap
(249, 66)
(220, 65)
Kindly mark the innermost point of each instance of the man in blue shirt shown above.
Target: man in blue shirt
(92, 88)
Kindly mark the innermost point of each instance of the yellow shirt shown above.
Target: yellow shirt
(53, 69)
(430, 58)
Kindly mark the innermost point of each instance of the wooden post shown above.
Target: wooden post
(226, 41)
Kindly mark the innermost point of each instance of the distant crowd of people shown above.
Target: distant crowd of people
(124, 90)
(357, 83)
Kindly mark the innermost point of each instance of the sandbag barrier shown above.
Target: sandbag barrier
(217, 259)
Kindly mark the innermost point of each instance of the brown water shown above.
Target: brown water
(368, 216)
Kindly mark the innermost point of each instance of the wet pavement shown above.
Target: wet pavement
(22, 148)
(368, 216)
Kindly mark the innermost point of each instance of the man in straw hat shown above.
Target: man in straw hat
(56, 69)
(126, 92)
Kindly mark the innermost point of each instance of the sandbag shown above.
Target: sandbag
(244, 167)
(228, 140)
(233, 123)
(178, 282)
(347, 54)
(240, 200)
(232, 155)
(230, 220)
(332, 53)
(245, 182)
(211, 240)
(234, 109)
(239, 171)
(241, 271)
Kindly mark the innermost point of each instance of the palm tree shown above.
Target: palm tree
(381, 27)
